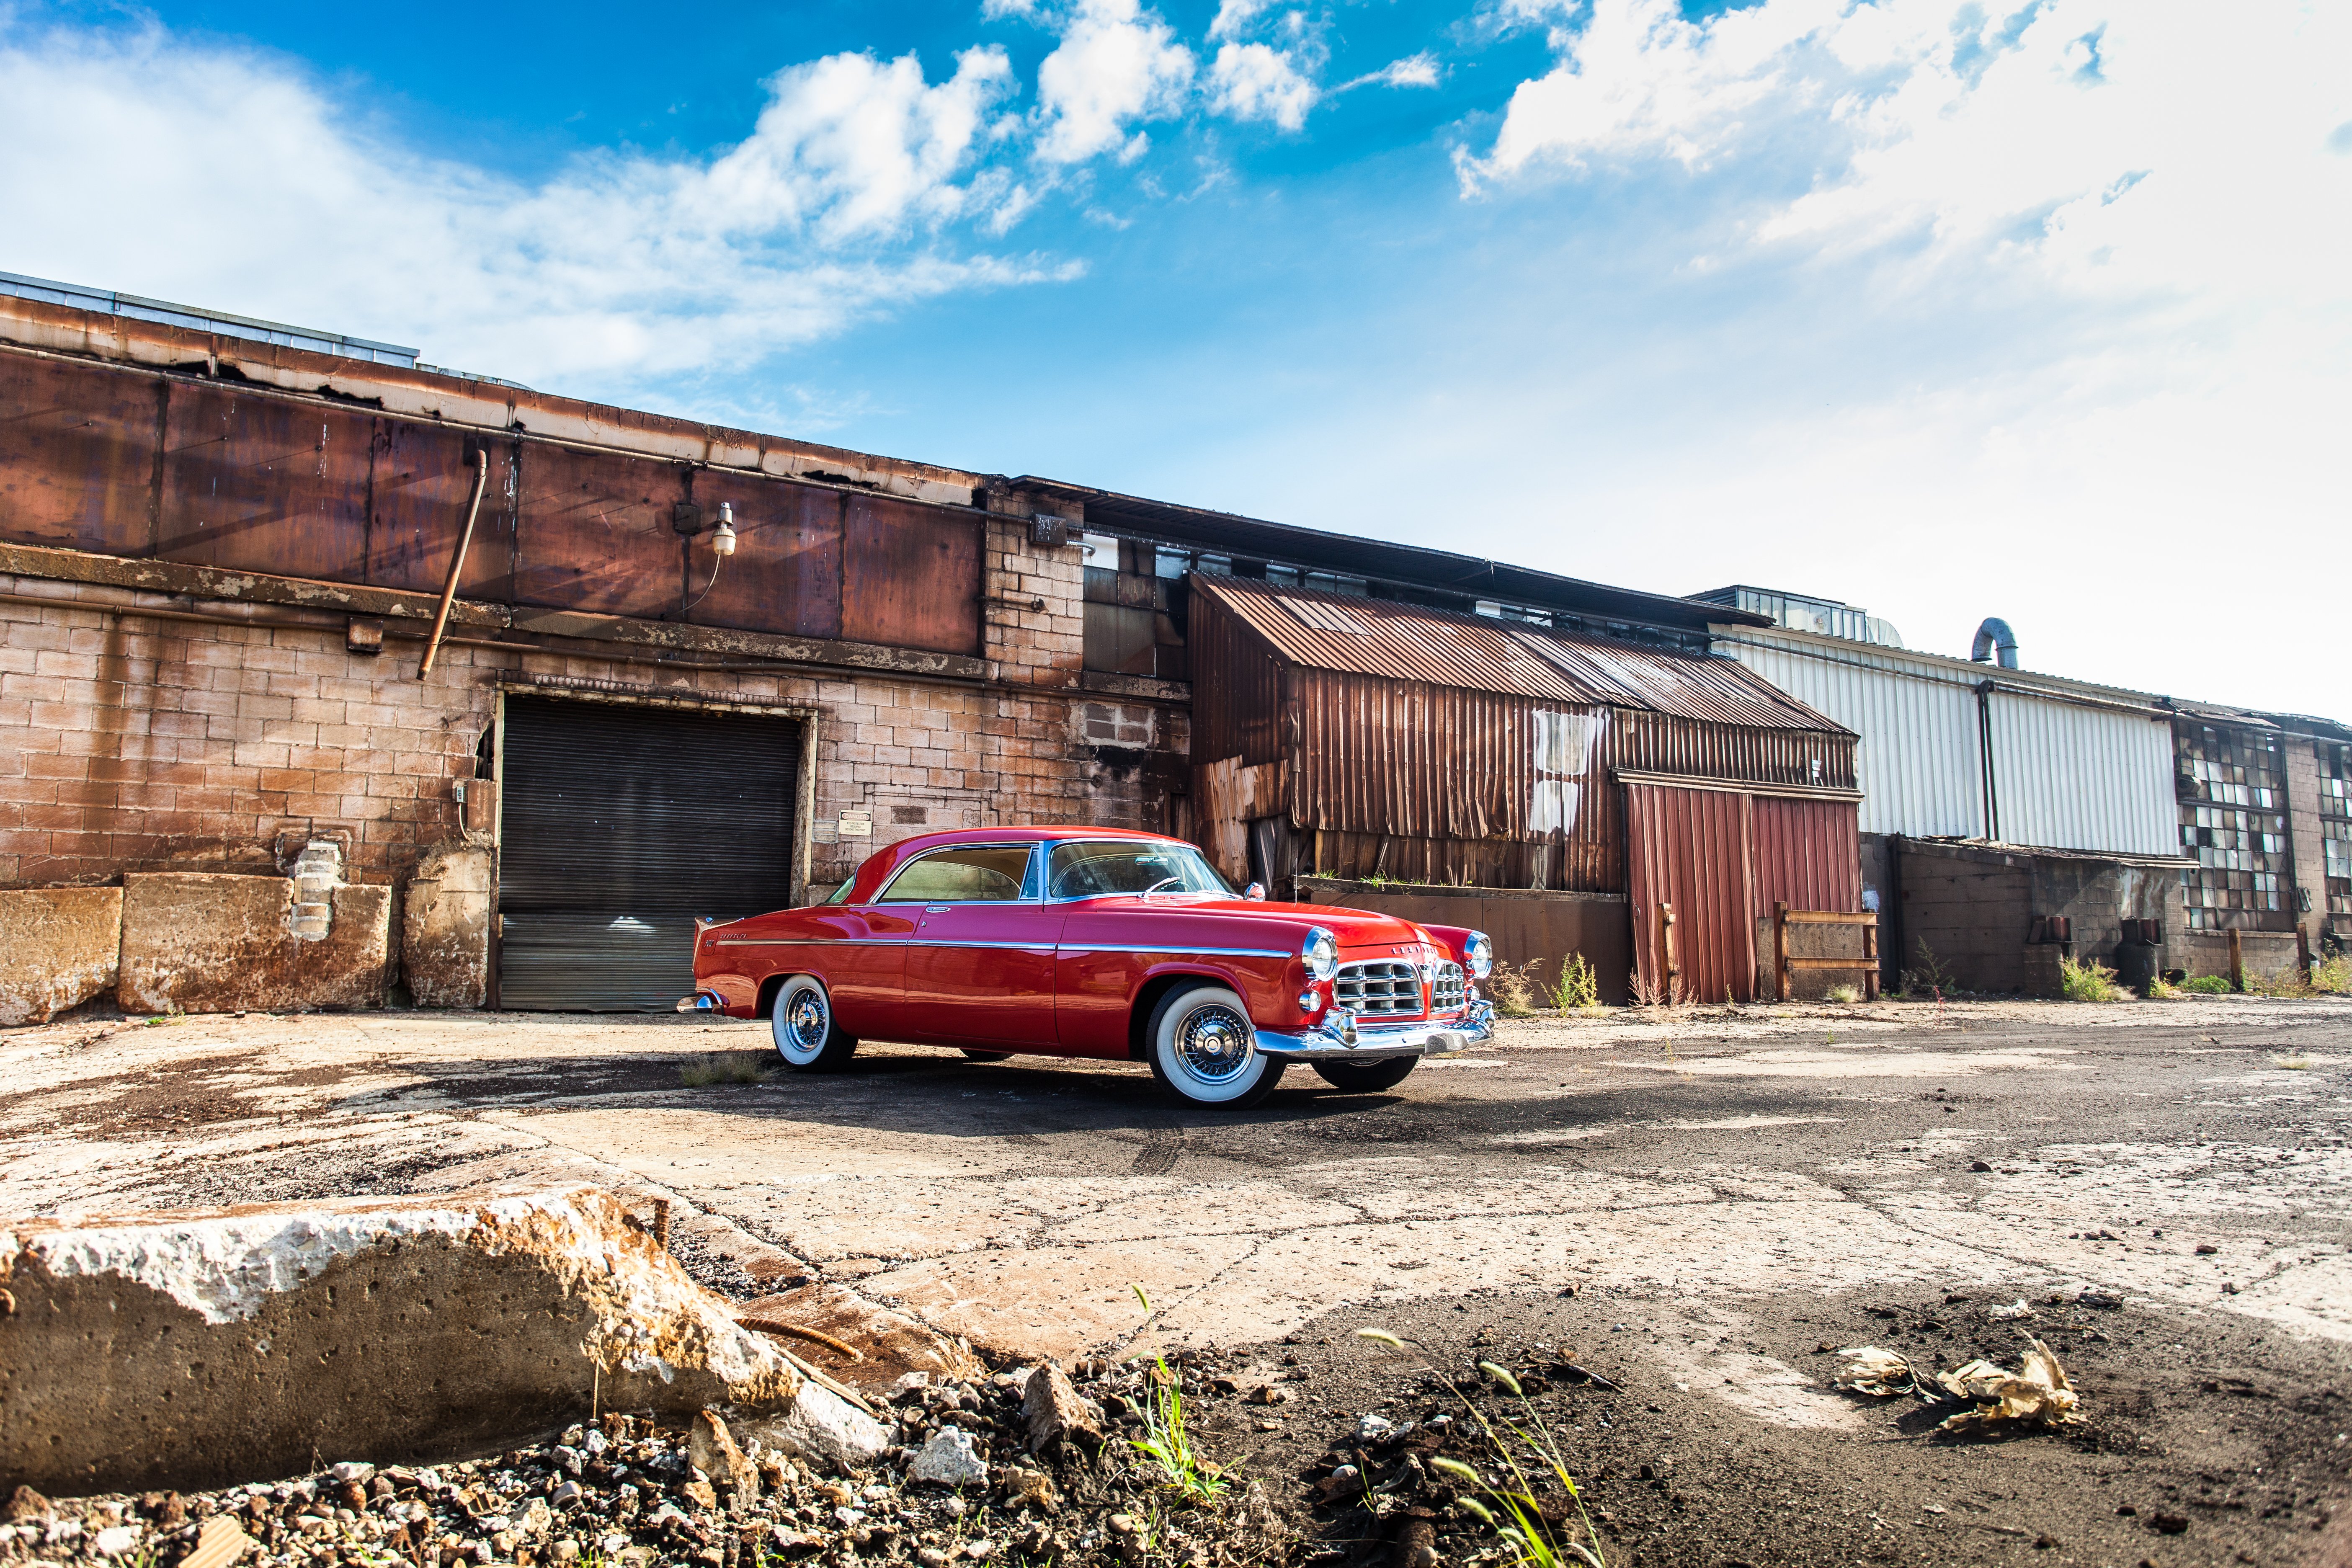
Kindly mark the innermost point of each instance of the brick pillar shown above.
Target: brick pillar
(2302, 761)
(1035, 629)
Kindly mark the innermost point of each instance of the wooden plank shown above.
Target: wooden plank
(1826, 917)
(1829, 962)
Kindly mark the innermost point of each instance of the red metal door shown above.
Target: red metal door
(1688, 849)
(983, 974)
(1807, 854)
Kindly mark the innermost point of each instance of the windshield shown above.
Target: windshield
(1087, 871)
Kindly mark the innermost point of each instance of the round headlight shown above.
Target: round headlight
(1320, 952)
(1480, 950)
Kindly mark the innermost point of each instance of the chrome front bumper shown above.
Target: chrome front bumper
(1342, 1038)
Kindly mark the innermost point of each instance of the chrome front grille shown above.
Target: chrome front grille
(1383, 989)
(1449, 993)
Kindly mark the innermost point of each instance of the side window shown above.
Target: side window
(982, 874)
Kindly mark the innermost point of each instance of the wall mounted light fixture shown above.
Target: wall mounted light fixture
(722, 539)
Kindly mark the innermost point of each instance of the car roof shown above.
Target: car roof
(1027, 836)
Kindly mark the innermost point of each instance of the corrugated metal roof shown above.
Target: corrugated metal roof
(1471, 653)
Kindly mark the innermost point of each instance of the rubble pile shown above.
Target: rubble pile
(1014, 1468)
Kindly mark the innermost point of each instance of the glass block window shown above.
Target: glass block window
(2232, 795)
(2335, 825)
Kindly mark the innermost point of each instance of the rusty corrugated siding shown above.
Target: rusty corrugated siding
(1807, 854)
(1243, 717)
(1664, 743)
(1404, 642)
(1690, 848)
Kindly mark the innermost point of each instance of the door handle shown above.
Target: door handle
(935, 909)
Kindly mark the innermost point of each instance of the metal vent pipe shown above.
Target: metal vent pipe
(1995, 635)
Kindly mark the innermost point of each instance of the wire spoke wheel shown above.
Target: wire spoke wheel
(1204, 1051)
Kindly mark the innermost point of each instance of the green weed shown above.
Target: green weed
(1165, 1441)
(2332, 975)
(2208, 986)
(1577, 989)
(2089, 980)
(1511, 1509)
(1843, 995)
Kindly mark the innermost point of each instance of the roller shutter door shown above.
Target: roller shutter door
(620, 824)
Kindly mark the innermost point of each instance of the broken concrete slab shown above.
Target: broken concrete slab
(202, 943)
(202, 1348)
(888, 1344)
(445, 943)
(58, 948)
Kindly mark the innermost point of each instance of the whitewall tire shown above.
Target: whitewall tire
(1204, 1050)
(806, 1035)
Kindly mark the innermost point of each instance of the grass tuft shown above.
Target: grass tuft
(1843, 995)
(1513, 988)
(723, 1067)
(2207, 985)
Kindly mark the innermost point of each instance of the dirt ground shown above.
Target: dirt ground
(1724, 1192)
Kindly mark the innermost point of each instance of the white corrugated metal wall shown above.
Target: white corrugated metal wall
(2069, 774)
(2075, 777)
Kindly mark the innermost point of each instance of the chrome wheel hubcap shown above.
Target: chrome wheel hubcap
(1213, 1043)
(805, 1021)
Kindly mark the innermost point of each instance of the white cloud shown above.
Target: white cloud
(1412, 70)
(1117, 64)
(1233, 17)
(1251, 81)
(233, 182)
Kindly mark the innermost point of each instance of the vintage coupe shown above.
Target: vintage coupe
(1092, 942)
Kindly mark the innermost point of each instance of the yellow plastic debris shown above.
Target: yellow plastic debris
(2036, 1393)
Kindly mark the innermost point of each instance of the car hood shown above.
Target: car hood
(1350, 928)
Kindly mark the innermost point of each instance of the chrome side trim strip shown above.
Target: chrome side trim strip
(1072, 951)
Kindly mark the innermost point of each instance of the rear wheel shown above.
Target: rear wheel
(806, 1035)
(1366, 1078)
(1205, 1052)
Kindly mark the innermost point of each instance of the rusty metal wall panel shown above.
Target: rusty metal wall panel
(1807, 854)
(1237, 689)
(910, 576)
(77, 455)
(785, 573)
(1410, 759)
(1663, 744)
(1379, 637)
(260, 484)
(593, 531)
(419, 485)
(1691, 849)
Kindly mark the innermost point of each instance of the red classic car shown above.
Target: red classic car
(1091, 942)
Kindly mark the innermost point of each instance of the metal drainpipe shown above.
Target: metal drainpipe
(456, 562)
(1984, 737)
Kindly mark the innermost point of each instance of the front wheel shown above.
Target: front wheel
(1366, 1078)
(806, 1035)
(1205, 1052)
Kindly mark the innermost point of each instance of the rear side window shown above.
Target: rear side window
(979, 874)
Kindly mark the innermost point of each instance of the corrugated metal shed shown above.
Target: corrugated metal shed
(2075, 765)
(1401, 642)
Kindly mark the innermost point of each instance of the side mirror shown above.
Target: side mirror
(1254, 891)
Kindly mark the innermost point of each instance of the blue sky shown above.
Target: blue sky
(1947, 308)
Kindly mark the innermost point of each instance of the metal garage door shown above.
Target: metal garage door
(620, 824)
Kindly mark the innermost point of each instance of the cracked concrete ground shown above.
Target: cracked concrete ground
(1702, 1157)
(1720, 1189)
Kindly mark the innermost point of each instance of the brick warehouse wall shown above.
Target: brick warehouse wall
(135, 745)
(139, 744)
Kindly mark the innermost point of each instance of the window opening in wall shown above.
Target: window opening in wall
(2233, 793)
(2335, 825)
